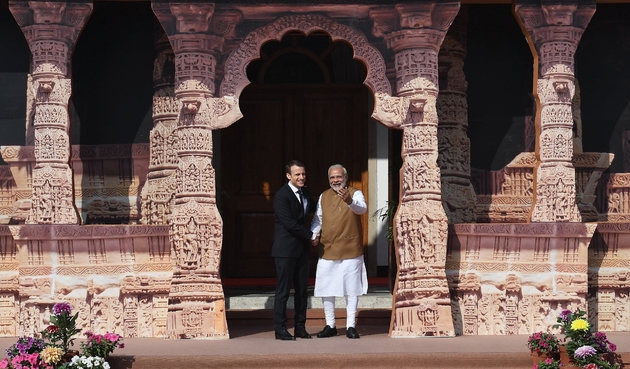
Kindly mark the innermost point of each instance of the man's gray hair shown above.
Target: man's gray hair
(345, 172)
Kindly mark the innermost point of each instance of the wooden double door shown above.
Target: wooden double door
(320, 125)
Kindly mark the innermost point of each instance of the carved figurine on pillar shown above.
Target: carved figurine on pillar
(51, 29)
(422, 304)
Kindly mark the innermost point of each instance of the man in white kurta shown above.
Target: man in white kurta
(340, 269)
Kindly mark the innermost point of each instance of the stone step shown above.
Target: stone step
(247, 298)
(247, 306)
(314, 317)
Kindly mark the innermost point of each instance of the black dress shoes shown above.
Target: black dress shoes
(352, 333)
(284, 336)
(327, 332)
(302, 333)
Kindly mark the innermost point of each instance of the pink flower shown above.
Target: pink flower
(535, 366)
(112, 337)
(584, 351)
(4, 364)
(590, 366)
(612, 346)
(548, 360)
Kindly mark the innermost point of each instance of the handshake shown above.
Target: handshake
(315, 241)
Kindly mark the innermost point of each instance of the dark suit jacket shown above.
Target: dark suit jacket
(291, 235)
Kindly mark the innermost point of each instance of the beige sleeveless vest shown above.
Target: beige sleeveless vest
(341, 235)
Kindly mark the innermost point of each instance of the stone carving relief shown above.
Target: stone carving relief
(195, 224)
(158, 193)
(506, 195)
(101, 197)
(555, 31)
(97, 271)
(387, 110)
(422, 306)
(536, 275)
(50, 29)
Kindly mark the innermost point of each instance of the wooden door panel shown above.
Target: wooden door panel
(251, 149)
(319, 125)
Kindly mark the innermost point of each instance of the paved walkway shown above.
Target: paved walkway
(255, 347)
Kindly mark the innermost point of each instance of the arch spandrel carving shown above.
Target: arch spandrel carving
(391, 111)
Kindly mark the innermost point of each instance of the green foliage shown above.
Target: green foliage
(386, 214)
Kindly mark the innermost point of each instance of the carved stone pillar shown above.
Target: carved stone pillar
(555, 30)
(51, 29)
(159, 189)
(196, 302)
(422, 305)
(458, 195)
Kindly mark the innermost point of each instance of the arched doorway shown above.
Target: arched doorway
(306, 100)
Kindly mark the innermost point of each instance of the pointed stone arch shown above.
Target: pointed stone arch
(387, 109)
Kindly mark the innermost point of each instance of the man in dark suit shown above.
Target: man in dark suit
(290, 250)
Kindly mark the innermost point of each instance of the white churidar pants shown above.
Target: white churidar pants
(347, 278)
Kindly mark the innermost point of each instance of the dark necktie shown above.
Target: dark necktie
(299, 192)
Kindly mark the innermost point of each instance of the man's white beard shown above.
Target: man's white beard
(338, 187)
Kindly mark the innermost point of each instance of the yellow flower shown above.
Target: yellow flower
(51, 355)
(579, 325)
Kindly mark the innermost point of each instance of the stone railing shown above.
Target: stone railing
(107, 181)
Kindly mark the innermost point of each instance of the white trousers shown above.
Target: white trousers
(351, 310)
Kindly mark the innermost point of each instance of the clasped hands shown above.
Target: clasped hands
(315, 242)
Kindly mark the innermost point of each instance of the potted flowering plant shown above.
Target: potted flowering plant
(25, 345)
(86, 362)
(582, 345)
(51, 355)
(64, 326)
(543, 343)
(27, 353)
(548, 363)
(101, 344)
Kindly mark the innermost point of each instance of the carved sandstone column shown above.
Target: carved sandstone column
(196, 302)
(159, 190)
(554, 31)
(51, 29)
(458, 195)
(422, 305)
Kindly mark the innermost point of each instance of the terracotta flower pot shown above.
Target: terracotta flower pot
(67, 357)
(565, 359)
(538, 357)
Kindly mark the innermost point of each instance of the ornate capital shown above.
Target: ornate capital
(414, 26)
(192, 18)
(556, 21)
(47, 12)
(31, 15)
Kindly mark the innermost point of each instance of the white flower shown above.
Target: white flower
(106, 365)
